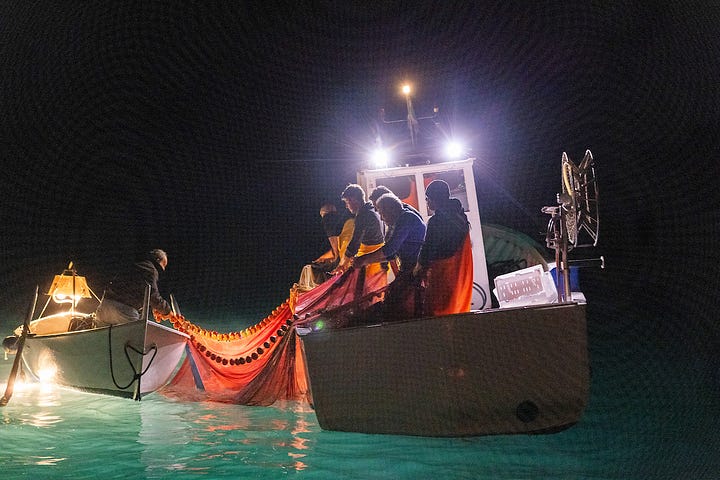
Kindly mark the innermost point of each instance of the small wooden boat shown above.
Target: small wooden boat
(127, 360)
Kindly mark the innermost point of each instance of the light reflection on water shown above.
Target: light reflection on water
(57, 431)
(207, 436)
(48, 432)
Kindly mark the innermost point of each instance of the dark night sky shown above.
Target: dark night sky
(215, 131)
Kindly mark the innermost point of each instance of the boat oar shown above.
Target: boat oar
(18, 354)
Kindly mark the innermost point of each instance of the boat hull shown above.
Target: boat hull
(127, 360)
(520, 370)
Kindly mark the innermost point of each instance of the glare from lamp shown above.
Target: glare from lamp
(46, 375)
(454, 150)
(62, 298)
(380, 158)
(69, 289)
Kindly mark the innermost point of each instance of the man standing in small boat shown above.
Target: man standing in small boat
(123, 299)
(445, 261)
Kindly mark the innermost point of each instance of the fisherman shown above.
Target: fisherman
(338, 229)
(332, 223)
(381, 190)
(378, 192)
(367, 234)
(123, 299)
(445, 261)
(406, 231)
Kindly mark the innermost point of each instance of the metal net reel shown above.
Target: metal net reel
(575, 221)
(580, 195)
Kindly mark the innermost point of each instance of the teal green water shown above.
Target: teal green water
(650, 416)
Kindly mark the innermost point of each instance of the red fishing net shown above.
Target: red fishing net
(264, 363)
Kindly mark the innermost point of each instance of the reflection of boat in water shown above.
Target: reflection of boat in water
(127, 360)
(519, 369)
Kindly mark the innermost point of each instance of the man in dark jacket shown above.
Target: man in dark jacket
(123, 299)
(367, 235)
(445, 260)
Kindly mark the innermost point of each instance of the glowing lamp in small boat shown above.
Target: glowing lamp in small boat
(69, 287)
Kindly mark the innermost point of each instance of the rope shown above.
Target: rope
(136, 375)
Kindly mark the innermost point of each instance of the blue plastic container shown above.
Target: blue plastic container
(574, 278)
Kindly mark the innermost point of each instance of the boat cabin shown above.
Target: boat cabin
(409, 183)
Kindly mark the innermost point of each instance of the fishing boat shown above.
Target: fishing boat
(517, 362)
(521, 367)
(127, 360)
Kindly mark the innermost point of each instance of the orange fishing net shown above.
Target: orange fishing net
(264, 363)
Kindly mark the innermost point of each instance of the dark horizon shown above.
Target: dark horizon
(216, 132)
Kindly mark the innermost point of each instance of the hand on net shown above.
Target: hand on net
(341, 269)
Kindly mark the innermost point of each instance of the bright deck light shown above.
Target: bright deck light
(406, 89)
(454, 150)
(380, 158)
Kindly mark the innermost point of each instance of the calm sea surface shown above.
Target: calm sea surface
(650, 416)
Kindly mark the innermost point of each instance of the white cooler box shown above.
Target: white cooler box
(529, 286)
